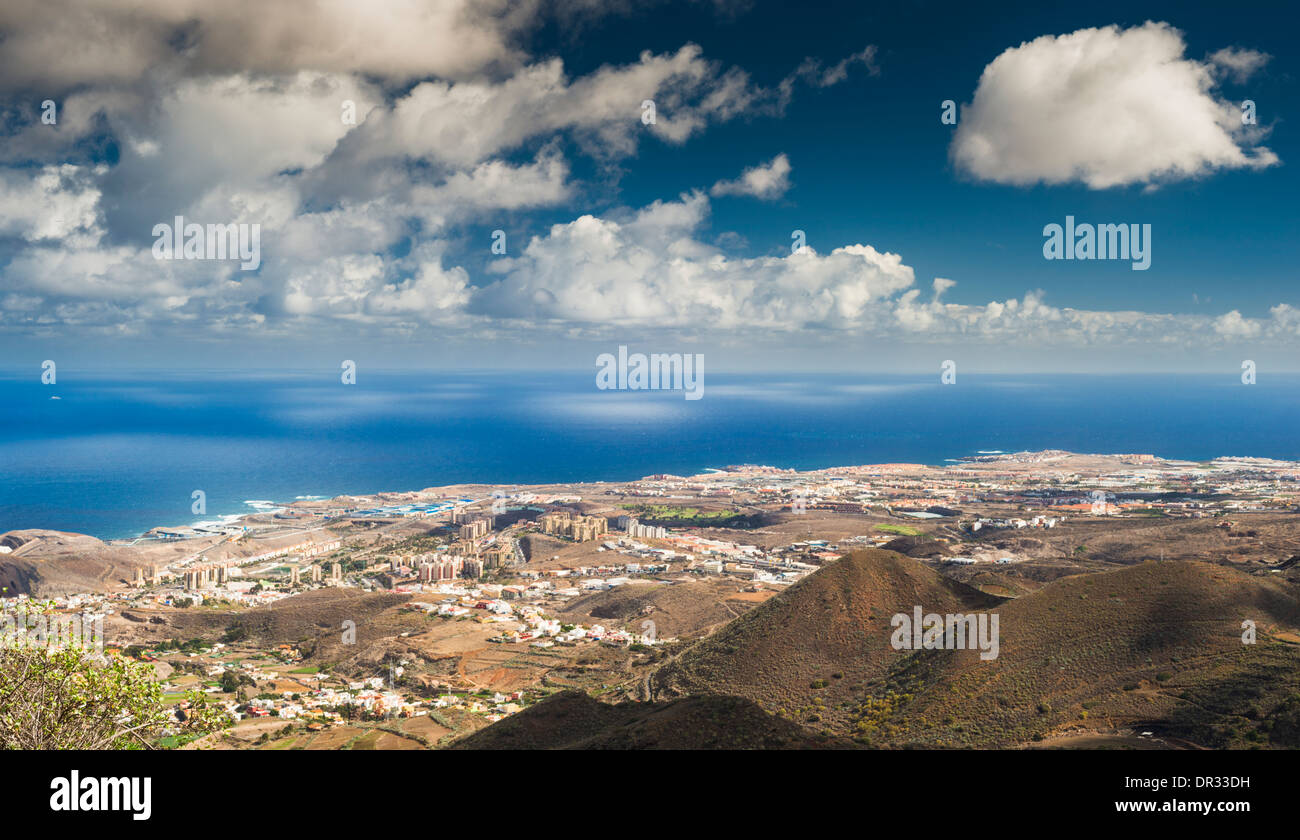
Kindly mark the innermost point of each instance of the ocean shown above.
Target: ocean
(116, 455)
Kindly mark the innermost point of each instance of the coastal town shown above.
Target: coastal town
(408, 619)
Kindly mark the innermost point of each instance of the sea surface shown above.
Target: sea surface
(116, 455)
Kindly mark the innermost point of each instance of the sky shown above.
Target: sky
(444, 184)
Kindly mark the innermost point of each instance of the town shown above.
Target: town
(409, 619)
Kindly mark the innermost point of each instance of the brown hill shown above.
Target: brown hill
(315, 615)
(921, 546)
(573, 720)
(681, 610)
(809, 650)
(44, 563)
(992, 580)
(1156, 645)
(49, 563)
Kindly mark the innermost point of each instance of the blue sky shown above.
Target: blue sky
(526, 118)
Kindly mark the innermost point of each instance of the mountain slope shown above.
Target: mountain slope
(573, 720)
(810, 649)
(1156, 645)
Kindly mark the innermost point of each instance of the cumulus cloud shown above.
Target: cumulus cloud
(1104, 107)
(112, 41)
(649, 269)
(221, 115)
(1232, 325)
(766, 181)
(57, 203)
(229, 143)
(494, 185)
(463, 123)
(357, 218)
(1239, 64)
(652, 269)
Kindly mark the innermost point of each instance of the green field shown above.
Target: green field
(674, 516)
(902, 530)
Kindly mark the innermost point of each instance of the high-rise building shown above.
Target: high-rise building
(473, 529)
(497, 557)
(636, 530)
(577, 527)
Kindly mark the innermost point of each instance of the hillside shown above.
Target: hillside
(312, 620)
(573, 720)
(49, 563)
(681, 610)
(1156, 646)
(808, 651)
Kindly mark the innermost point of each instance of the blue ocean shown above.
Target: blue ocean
(116, 455)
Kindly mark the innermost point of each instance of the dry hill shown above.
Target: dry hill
(573, 720)
(1156, 646)
(818, 642)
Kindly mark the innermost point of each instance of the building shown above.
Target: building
(636, 530)
(207, 576)
(474, 529)
(575, 526)
(301, 545)
(447, 568)
(498, 557)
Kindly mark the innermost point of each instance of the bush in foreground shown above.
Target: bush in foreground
(68, 699)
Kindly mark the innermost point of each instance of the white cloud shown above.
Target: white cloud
(766, 181)
(649, 270)
(59, 44)
(1232, 325)
(463, 123)
(1239, 64)
(1104, 107)
(652, 270)
(221, 130)
(494, 185)
(223, 146)
(54, 203)
(816, 74)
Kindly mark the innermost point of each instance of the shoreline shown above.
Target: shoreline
(211, 524)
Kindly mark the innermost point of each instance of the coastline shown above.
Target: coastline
(118, 458)
(214, 524)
